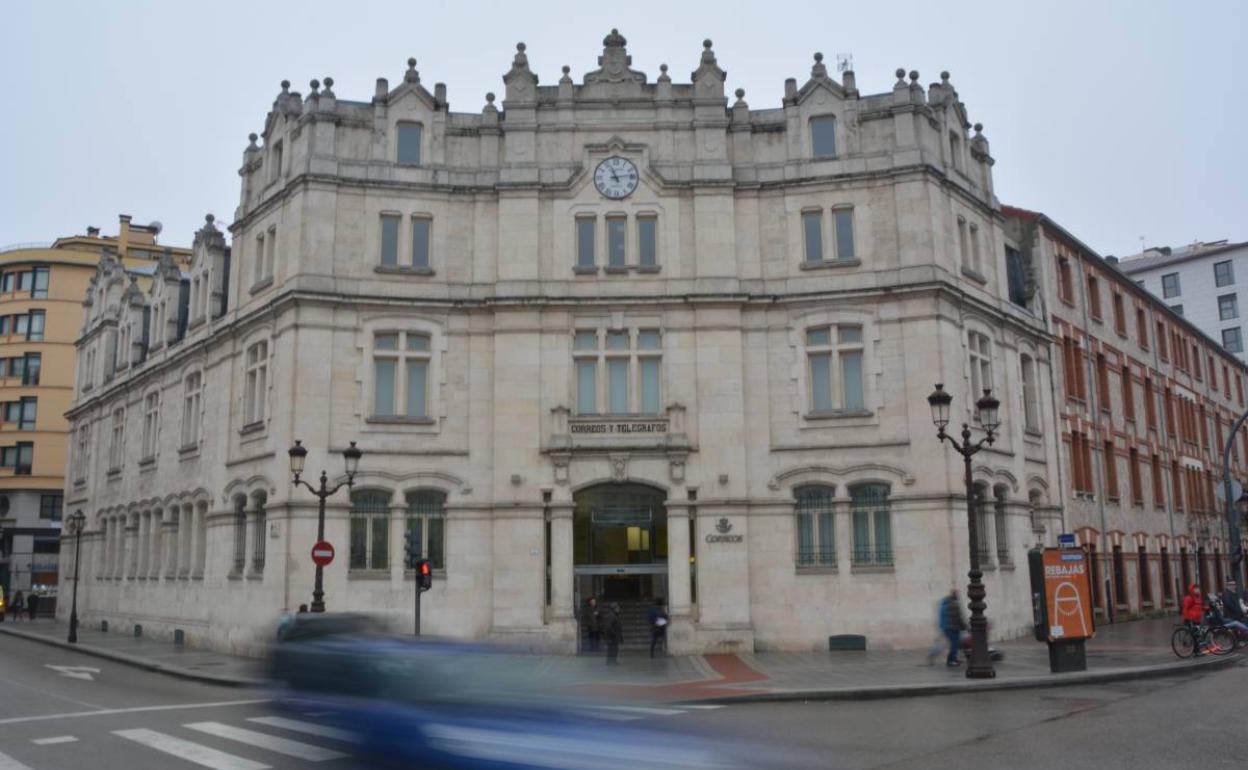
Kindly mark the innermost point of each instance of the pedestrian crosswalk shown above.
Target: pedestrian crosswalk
(261, 740)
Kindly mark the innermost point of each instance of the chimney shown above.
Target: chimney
(93, 232)
(123, 236)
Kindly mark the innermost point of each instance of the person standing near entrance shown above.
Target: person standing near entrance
(658, 626)
(613, 634)
(18, 606)
(591, 616)
(32, 605)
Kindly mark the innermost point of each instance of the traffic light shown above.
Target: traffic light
(424, 574)
(411, 549)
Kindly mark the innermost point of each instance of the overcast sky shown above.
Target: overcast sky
(1120, 120)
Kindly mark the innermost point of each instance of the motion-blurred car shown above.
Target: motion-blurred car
(456, 705)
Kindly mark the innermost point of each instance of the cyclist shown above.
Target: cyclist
(1194, 612)
(1232, 610)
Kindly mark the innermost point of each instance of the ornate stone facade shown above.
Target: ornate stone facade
(699, 374)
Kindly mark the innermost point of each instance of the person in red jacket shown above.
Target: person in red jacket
(1194, 612)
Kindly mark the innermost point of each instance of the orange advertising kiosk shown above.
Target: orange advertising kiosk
(1061, 596)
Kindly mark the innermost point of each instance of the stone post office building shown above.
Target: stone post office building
(627, 337)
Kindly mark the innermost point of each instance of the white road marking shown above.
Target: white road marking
(9, 763)
(191, 752)
(305, 751)
(647, 710)
(134, 710)
(311, 728)
(707, 708)
(75, 672)
(54, 740)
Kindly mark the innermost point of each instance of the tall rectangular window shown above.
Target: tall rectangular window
(1161, 341)
(617, 228)
(1128, 393)
(1232, 340)
(975, 260)
(585, 227)
(1120, 315)
(632, 362)
(51, 506)
(270, 255)
(647, 240)
(1223, 274)
(1170, 285)
(389, 240)
(192, 390)
(34, 330)
(369, 530)
(1065, 280)
(964, 243)
(585, 354)
(421, 227)
(401, 374)
(815, 527)
(844, 219)
(31, 365)
(617, 372)
(1111, 471)
(835, 368)
(812, 235)
(1102, 382)
(1228, 307)
(117, 444)
(426, 517)
(870, 518)
(258, 269)
(1137, 484)
(1016, 275)
(823, 136)
(649, 352)
(151, 423)
(1159, 484)
(275, 158)
(409, 144)
(255, 390)
(1141, 327)
(40, 283)
(981, 363)
(1094, 297)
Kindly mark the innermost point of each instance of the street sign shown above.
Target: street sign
(322, 553)
(1067, 595)
(1219, 491)
(1066, 540)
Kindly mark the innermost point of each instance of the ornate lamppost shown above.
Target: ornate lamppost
(77, 522)
(351, 460)
(979, 666)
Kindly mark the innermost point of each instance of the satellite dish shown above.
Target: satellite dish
(156, 227)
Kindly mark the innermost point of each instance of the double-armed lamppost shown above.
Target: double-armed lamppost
(77, 522)
(979, 666)
(351, 460)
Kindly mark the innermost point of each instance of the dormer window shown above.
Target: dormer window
(409, 144)
(823, 136)
(275, 158)
(955, 149)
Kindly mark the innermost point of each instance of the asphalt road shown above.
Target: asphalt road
(120, 717)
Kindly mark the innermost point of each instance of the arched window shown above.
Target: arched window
(370, 522)
(426, 517)
(260, 527)
(240, 534)
(815, 525)
(872, 525)
(1001, 525)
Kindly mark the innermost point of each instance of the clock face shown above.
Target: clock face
(616, 177)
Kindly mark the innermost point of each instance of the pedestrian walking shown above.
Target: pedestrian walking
(952, 624)
(1233, 610)
(658, 626)
(613, 634)
(592, 618)
(18, 606)
(32, 605)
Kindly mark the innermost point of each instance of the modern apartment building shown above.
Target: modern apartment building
(1203, 282)
(42, 287)
(1145, 401)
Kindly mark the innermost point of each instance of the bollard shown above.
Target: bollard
(179, 637)
(104, 626)
(138, 630)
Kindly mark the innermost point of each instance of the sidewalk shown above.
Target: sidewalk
(1135, 650)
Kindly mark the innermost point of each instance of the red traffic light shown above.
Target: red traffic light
(425, 569)
(424, 574)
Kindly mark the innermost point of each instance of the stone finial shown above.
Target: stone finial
(740, 94)
(315, 85)
(708, 55)
(285, 87)
(914, 78)
(709, 78)
(944, 77)
(819, 69)
(979, 129)
(489, 103)
(209, 219)
(520, 80)
(614, 40)
(411, 76)
(329, 85)
(521, 59)
(663, 76)
(251, 141)
(901, 78)
(567, 77)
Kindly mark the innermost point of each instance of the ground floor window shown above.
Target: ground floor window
(370, 522)
(815, 522)
(426, 516)
(872, 524)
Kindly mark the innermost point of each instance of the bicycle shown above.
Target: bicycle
(1187, 641)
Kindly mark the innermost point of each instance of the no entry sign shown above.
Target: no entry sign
(322, 553)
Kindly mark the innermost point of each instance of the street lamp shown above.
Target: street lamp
(979, 665)
(77, 522)
(351, 461)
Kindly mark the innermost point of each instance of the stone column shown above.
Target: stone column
(249, 537)
(171, 539)
(130, 564)
(138, 566)
(678, 593)
(561, 571)
(197, 537)
(398, 550)
(186, 530)
(101, 555)
(156, 534)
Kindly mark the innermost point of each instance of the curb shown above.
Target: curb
(962, 687)
(137, 662)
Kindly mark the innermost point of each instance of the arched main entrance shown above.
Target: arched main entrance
(619, 550)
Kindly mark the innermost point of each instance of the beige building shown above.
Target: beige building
(1145, 406)
(625, 337)
(41, 291)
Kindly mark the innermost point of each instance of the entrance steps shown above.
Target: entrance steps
(634, 622)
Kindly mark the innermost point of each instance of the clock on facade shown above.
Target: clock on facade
(616, 177)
